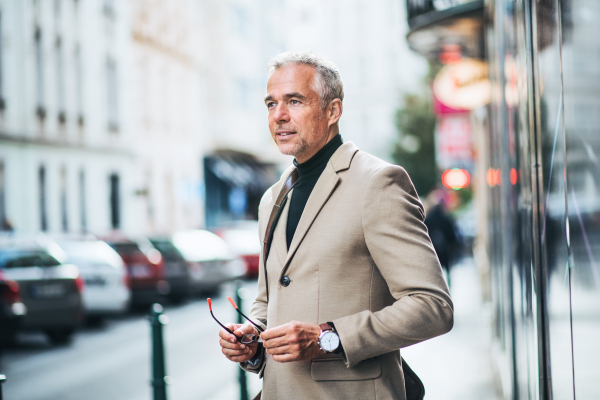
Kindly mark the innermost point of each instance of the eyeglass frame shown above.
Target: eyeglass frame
(247, 338)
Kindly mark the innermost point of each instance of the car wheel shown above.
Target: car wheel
(60, 336)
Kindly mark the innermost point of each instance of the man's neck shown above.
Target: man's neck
(304, 158)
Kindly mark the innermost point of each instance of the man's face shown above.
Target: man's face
(297, 123)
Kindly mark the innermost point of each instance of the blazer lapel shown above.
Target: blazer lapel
(279, 243)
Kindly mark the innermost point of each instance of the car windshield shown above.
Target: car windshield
(200, 245)
(91, 253)
(26, 258)
(126, 248)
(167, 249)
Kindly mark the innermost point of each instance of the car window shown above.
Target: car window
(26, 258)
(167, 249)
(126, 248)
(200, 245)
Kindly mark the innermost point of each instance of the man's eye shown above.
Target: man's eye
(294, 102)
(270, 104)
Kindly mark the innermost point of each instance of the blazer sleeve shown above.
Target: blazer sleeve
(397, 239)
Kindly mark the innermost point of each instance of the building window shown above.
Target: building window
(2, 101)
(42, 198)
(39, 72)
(60, 81)
(4, 224)
(82, 202)
(79, 84)
(109, 8)
(64, 219)
(112, 95)
(115, 204)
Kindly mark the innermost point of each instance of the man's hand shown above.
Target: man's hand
(232, 348)
(294, 341)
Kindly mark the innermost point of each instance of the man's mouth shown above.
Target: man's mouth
(285, 133)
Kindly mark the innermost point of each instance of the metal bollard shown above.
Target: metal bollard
(159, 377)
(2, 379)
(239, 297)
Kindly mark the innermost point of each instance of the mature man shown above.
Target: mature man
(351, 276)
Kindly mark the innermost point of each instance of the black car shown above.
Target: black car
(176, 270)
(50, 290)
(12, 310)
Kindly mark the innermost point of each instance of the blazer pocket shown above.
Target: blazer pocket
(334, 369)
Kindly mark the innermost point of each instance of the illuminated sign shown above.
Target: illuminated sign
(456, 178)
(463, 84)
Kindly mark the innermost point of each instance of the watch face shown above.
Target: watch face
(330, 341)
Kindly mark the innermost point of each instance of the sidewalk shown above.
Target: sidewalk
(458, 365)
(454, 366)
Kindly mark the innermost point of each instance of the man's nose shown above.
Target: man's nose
(281, 113)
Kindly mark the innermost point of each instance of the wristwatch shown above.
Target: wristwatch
(329, 340)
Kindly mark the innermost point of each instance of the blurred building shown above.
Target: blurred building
(147, 116)
(169, 124)
(535, 122)
(65, 137)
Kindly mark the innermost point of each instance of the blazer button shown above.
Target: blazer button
(285, 281)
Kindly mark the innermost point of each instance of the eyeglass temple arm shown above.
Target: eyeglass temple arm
(243, 315)
(223, 326)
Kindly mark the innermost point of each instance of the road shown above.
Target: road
(113, 361)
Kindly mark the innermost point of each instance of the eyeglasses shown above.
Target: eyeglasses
(245, 339)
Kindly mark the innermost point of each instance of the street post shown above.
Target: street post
(2, 379)
(239, 297)
(159, 377)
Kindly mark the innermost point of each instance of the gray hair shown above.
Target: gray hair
(328, 82)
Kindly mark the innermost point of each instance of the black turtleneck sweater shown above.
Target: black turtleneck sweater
(308, 174)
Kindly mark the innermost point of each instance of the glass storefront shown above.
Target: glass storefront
(545, 216)
(538, 143)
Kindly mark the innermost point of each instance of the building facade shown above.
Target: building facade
(65, 161)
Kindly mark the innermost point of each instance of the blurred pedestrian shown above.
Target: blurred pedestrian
(351, 276)
(442, 230)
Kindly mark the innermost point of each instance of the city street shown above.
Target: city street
(113, 361)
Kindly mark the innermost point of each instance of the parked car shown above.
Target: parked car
(50, 289)
(12, 310)
(145, 268)
(210, 261)
(242, 239)
(176, 270)
(107, 286)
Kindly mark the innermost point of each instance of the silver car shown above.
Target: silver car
(107, 290)
(210, 261)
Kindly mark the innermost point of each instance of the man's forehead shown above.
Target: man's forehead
(291, 78)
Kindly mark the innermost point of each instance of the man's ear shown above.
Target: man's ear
(334, 111)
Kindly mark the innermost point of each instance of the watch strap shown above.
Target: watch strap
(326, 327)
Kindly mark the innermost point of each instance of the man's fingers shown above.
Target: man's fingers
(277, 342)
(283, 350)
(245, 329)
(231, 345)
(278, 331)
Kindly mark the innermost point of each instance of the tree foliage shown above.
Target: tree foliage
(414, 148)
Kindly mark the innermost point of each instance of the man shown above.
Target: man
(351, 267)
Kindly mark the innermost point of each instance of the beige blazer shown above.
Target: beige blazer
(361, 258)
